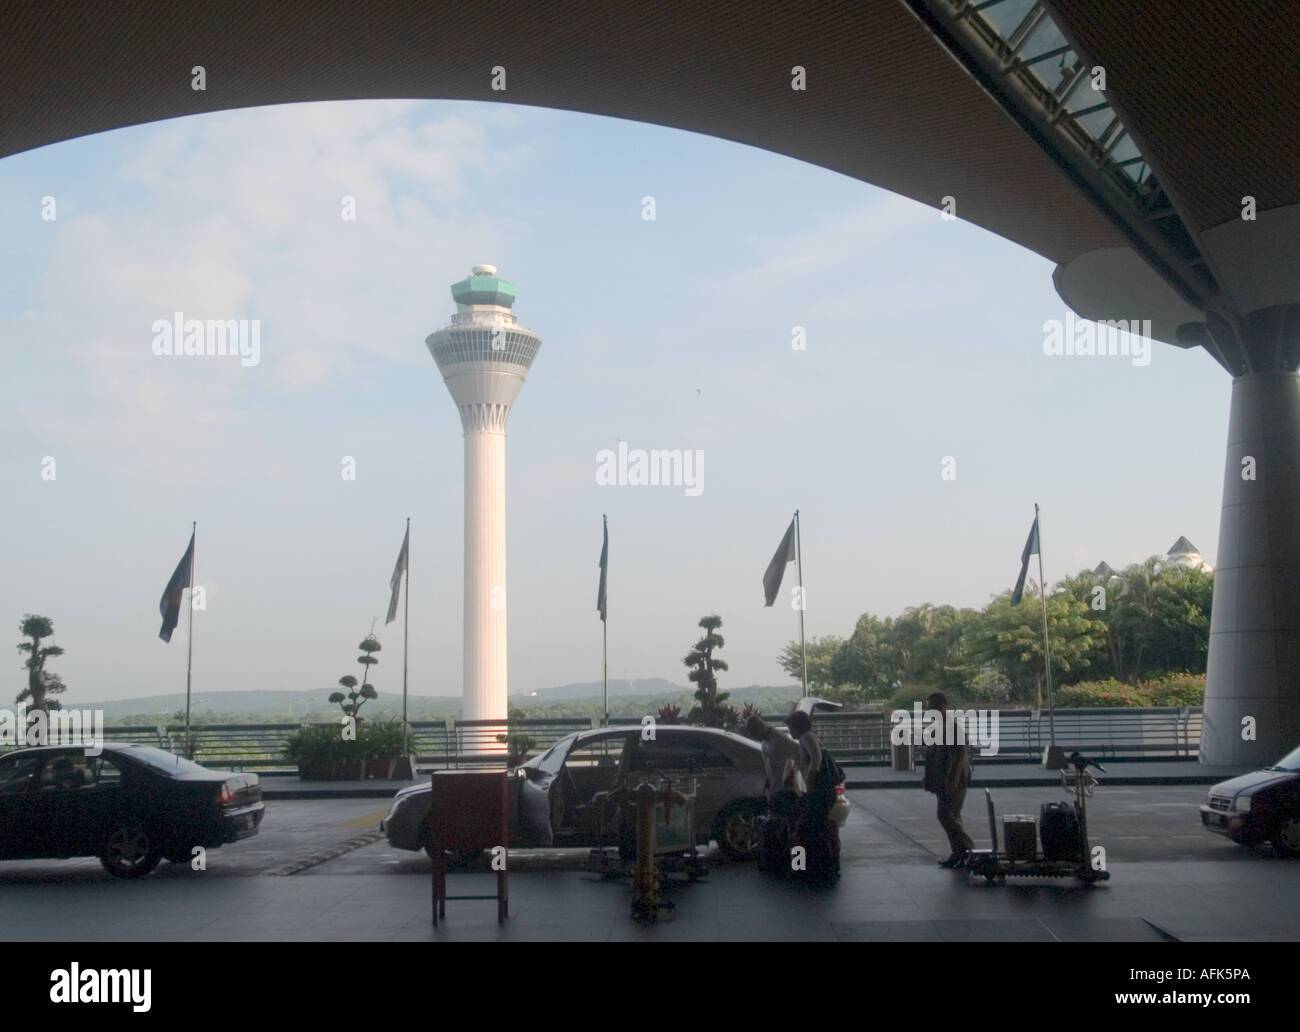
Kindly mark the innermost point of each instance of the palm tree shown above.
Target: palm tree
(40, 683)
(1135, 611)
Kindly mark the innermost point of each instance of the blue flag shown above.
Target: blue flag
(1031, 548)
(395, 582)
(170, 606)
(785, 553)
(604, 569)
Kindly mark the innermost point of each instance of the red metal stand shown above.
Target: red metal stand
(468, 811)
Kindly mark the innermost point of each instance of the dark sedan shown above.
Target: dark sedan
(1263, 806)
(131, 806)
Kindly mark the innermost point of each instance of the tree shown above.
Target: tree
(710, 709)
(929, 647)
(1183, 620)
(41, 683)
(355, 698)
(1012, 637)
(867, 659)
(821, 656)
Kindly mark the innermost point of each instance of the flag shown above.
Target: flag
(1031, 548)
(604, 569)
(170, 605)
(776, 568)
(396, 582)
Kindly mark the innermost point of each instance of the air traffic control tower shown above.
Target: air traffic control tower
(484, 356)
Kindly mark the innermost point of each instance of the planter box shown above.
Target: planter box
(348, 770)
(325, 770)
(315, 770)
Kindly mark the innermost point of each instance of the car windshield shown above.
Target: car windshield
(166, 762)
(552, 760)
(1291, 761)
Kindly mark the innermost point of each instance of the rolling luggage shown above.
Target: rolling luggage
(774, 842)
(1059, 829)
(776, 833)
(1018, 834)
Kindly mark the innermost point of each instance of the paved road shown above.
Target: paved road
(305, 838)
(318, 872)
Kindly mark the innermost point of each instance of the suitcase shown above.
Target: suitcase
(774, 843)
(1021, 837)
(1059, 829)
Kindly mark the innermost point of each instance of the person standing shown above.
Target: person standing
(815, 828)
(947, 775)
(782, 759)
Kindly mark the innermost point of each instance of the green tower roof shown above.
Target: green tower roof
(484, 287)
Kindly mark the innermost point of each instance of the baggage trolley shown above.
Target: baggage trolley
(991, 864)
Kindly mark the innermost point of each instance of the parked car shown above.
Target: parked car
(1263, 806)
(131, 806)
(552, 797)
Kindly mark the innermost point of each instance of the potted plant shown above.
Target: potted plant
(313, 748)
(349, 757)
(382, 745)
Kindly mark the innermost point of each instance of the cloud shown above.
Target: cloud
(238, 215)
(832, 248)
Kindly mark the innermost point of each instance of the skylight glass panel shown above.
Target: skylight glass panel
(1044, 38)
(1006, 16)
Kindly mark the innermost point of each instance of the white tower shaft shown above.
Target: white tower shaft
(485, 677)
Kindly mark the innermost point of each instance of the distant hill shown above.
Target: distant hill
(280, 705)
(593, 690)
(269, 706)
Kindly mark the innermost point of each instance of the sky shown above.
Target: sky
(922, 341)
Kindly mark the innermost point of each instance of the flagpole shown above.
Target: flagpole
(406, 630)
(604, 627)
(798, 556)
(1047, 655)
(189, 651)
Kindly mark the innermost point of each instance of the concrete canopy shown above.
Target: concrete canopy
(884, 102)
(1207, 91)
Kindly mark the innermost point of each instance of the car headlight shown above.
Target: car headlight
(1241, 804)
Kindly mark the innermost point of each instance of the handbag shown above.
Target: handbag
(832, 771)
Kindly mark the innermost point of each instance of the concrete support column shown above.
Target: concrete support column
(1253, 676)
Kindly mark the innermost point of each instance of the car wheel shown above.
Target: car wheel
(1286, 840)
(130, 851)
(736, 830)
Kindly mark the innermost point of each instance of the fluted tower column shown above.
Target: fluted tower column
(484, 356)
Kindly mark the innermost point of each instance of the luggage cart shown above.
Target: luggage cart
(993, 865)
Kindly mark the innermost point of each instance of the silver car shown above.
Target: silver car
(554, 798)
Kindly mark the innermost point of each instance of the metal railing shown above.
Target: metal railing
(856, 737)
(1168, 731)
